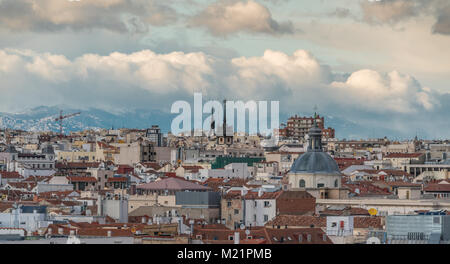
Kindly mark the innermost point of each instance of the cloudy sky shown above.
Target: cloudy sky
(383, 64)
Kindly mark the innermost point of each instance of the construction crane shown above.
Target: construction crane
(60, 118)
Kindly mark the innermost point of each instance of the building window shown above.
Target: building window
(266, 218)
(302, 183)
(236, 211)
(229, 204)
(266, 204)
(336, 183)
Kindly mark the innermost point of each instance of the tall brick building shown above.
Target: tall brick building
(297, 127)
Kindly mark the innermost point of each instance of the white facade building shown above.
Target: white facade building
(30, 218)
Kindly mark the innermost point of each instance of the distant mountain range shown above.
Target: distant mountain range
(42, 118)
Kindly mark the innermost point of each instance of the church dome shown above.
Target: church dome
(315, 162)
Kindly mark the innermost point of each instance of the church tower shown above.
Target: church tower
(315, 171)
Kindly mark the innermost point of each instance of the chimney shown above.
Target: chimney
(236, 237)
(260, 192)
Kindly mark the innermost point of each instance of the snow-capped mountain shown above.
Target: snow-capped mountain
(42, 118)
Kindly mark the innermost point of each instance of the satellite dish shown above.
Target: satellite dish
(373, 240)
(247, 232)
(372, 211)
(242, 226)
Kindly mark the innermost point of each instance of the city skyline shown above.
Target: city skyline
(219, 125)
(352, 58)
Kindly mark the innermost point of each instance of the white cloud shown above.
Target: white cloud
(8, 62)
(275, 75)
(51, 67)
(114, 15)
(276, 72)
(157, 73)
(384, 92)
(149, 80)
(226, 17)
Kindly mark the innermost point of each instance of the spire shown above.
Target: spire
(315, 135)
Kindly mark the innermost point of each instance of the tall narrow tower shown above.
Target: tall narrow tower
(225, 139)
(224, 126)
(212, 132)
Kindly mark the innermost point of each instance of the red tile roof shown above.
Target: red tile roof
(103, 145)
(22, 185)
(321, 221)
(117, 179)
(346, 211)
(366, 188)
(403, 184)
(263, 235)
(193, 169)
(124, 169)
(153, 165)
(295, 235)
(264, 195)
(81, 179)
(10, 175)
(90, 230)
(344, 163)
(436, 187)
(403, 155)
